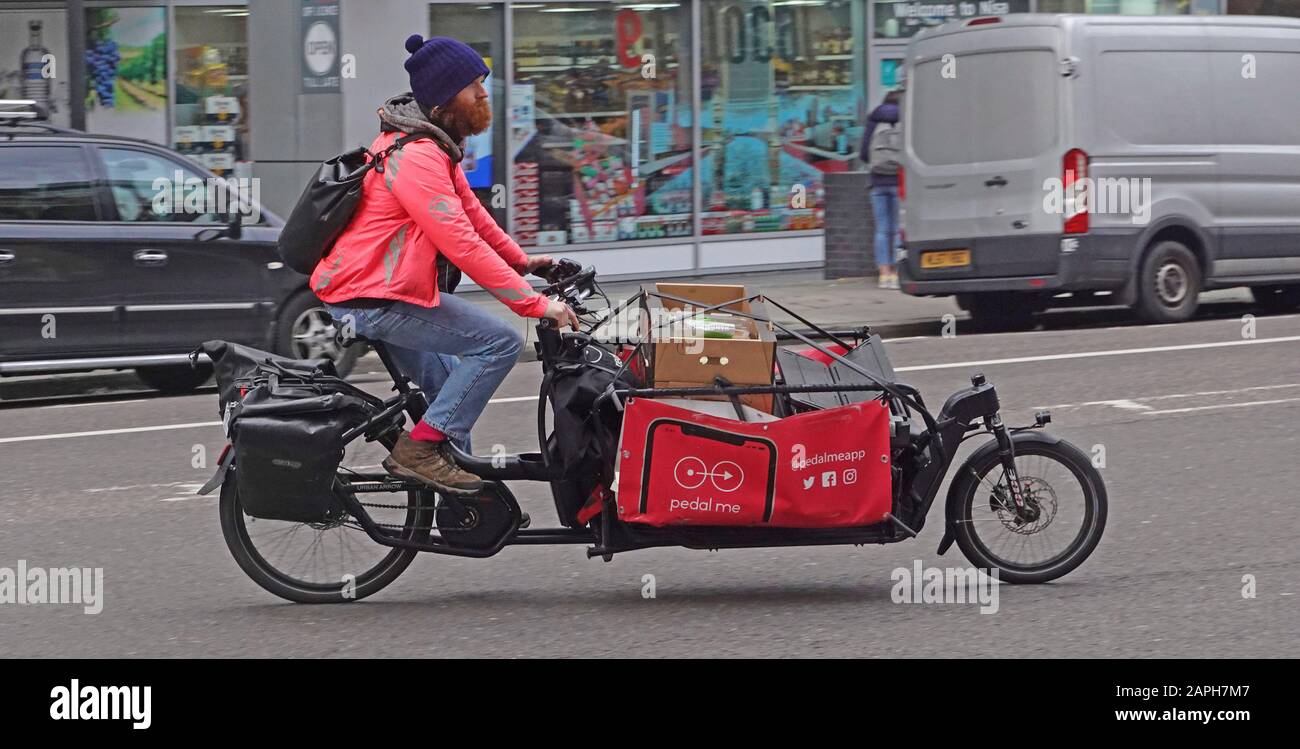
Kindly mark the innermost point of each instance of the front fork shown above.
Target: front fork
(1007, 454)
(979, 402)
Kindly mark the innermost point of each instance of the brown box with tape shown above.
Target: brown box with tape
(689, 350)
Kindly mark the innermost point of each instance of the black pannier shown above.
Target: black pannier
(237, 367)
(585, 439)
(286, 419)
(287, 450)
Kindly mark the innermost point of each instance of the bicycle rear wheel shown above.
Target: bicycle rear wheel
(328, 562)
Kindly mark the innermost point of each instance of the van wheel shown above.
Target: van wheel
(175, 379)
(995, 311)
(1276, 298)
(1169, 284)
(305, 330)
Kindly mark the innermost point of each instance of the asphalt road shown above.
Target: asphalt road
(1197, 423)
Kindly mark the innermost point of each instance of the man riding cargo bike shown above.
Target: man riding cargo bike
(729, 430)
(380, 278)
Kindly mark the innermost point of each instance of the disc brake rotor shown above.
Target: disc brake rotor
(1040, 506)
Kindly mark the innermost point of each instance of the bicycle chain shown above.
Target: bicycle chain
(402, 526)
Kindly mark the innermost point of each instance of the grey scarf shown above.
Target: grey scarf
(402, 114)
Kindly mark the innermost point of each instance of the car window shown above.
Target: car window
(45, 183)
(148, 187)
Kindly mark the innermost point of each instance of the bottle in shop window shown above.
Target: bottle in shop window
(35, 85)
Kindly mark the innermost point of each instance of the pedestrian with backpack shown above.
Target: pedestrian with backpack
(882, 150)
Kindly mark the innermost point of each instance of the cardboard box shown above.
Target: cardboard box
(677, 356)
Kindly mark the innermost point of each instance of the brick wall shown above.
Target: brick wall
(849, 226)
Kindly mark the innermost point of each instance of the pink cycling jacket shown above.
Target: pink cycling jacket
(419, 206)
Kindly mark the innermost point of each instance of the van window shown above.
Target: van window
(998, 106)
(45, 183)
(1256, 105)
(1156, 97)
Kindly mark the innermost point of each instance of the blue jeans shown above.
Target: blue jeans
(884, 205)
(456, 352)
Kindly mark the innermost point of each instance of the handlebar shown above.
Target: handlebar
(569, 280)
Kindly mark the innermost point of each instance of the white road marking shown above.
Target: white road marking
(1094, 354)
(1139, 400)
(1222, 405)
(1128, 405)
(94, 403)
(516, 399)
(182, 485)
(103, 432)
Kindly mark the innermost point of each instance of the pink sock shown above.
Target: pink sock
(425, 433)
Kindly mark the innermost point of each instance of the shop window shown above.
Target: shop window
(601, 122)
(780, 96)
(126, 71)
(39, 43)
(482, 27)
(211, 72)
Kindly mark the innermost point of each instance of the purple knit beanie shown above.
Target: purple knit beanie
(440, 67)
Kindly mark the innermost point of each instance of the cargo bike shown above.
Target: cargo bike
(832, 450)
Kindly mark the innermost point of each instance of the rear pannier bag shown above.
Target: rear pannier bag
(238, 367)
(286, 419)
(285, 460)
(821, 469)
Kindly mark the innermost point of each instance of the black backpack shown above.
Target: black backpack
(326, 206)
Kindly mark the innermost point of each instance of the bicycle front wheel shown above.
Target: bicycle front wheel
(1060, 526)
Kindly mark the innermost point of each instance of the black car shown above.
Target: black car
(92, 276)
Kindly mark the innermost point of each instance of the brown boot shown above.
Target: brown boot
(430, 463)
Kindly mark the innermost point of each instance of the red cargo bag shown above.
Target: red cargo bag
(822, 469)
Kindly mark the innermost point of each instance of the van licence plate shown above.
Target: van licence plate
(945, 259)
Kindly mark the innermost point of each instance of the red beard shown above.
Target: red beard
(466, 120)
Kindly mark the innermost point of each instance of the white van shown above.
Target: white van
(1069, 159)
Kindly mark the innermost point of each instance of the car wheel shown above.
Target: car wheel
(305, 330)
(1277, 298)
(175, 379)
(1168, 284)
(995, 311)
